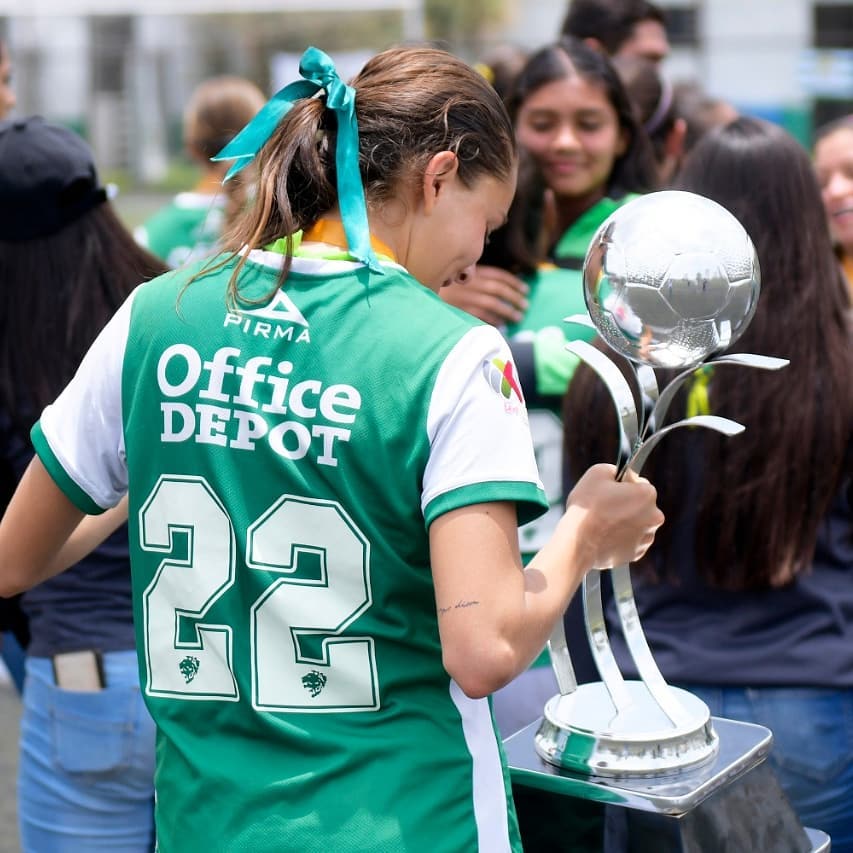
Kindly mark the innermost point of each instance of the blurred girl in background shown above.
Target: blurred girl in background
(191, 225)
(86, 766)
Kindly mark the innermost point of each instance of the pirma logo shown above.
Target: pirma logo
(501, 378)
(280, 309)
(278, 319)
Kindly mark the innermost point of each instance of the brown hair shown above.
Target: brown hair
(764, 494)
(411, 103)
(844, 122)
(216, 112)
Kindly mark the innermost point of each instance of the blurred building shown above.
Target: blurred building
(790, 61)
(121, 70)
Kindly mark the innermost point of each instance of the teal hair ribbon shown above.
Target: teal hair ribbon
(318, 72)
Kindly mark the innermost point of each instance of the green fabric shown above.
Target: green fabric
(575, 241)
(186, 229)
(243, 766)
(529, 500)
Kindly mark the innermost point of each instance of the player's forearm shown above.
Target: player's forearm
(550, 580)
(36, 524)
(491, 631)
(87, 536)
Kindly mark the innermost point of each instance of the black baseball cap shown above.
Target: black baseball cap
(47, 178)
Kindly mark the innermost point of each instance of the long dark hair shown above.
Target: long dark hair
(765, 493)
(411, 103)
(58, 292)
(520, 241)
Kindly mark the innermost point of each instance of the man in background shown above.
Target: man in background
(619, 27)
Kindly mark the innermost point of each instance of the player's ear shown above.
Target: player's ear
(439, 172)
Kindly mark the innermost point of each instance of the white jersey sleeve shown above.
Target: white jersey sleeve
(80, 436)
(480, 444)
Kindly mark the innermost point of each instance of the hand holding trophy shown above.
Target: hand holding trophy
(671, 280)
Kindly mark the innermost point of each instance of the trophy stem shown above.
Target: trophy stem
(618, 388)
(561, 660)
(599, 643)
(635, 639)
(647, 384)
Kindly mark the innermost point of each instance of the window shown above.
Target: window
(111, 41)
(682, 25)
(833, 25)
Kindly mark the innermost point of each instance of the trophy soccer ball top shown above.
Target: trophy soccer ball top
(671, 278)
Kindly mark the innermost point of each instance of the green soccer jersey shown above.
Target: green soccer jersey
(284, 462)
(556, 292)
(185, 230)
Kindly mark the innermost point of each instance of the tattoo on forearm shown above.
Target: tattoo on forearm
(460, 605)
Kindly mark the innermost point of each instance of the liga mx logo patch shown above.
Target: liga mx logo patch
(501, 377)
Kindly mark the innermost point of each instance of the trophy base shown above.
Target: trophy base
(583, 732)
(731, 802)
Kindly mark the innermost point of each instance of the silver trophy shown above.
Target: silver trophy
(671, 279)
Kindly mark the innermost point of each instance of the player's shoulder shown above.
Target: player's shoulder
(431, 311)
(210, 274)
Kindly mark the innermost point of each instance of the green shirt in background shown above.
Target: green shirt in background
(185, 230)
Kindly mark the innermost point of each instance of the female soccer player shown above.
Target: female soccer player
(325, 466)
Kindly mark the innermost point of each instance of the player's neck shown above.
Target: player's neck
(329, 230)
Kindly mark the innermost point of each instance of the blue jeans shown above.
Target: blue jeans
(86, 771)
(812, 753)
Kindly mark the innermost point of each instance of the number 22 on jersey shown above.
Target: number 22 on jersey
(188, 657)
